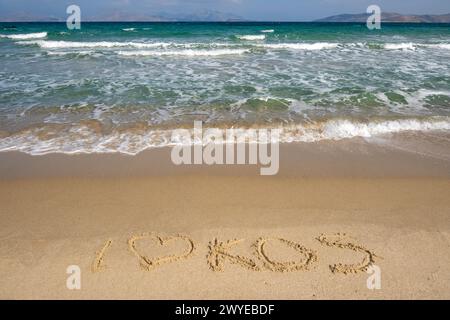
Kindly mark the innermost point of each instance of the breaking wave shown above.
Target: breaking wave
(252, 37)
(414, 46)
(400, 46)
(188, 52)
(101, 44)
(83, 138)
(37, 35)
(48, 44)
(302, 46)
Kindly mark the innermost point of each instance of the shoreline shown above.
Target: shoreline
(94, 137)
(397, 156)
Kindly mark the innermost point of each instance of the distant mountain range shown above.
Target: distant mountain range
(24, 17)
(389, 17)
(217, 16)
(206, 15)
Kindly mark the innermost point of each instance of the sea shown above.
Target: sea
(125, 87)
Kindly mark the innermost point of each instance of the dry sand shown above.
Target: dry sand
(139, 227)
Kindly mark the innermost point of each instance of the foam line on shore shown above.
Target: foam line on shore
(81, 138)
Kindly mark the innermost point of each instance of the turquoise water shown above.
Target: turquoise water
(122, 87)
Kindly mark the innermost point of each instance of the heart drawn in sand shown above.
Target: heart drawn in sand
(150, 263)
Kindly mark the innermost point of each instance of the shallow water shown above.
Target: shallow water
(122, 87)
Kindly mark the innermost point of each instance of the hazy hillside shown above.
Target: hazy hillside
(389, 17)
(206, 15)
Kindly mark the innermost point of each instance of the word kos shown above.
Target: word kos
(220, 252)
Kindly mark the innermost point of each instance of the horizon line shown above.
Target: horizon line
(214, 21)
(238, 19)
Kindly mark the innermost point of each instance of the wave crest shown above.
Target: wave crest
(188, 52)
(302, 46)
(37, 35)
(85, 138)
(250, 37)
(101, 44)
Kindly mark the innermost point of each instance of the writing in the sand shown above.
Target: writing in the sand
(221, 252)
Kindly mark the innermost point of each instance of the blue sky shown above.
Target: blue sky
(249, 9)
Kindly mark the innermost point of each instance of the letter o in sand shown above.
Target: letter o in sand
(310, 256)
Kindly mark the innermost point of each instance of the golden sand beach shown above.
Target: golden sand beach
(140, 227)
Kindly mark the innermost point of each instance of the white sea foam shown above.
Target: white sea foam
(439, 46)
(346, 129)
(252, 37)
(189, 52)
(82, 139)
(48, 44)
(400, 46)
(340, 129)
(129, 29)
(414, 46)
(327, 45)
(101, 44)
(65, 53)
(37, 35)
(301, 46)
(268, 31)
